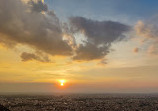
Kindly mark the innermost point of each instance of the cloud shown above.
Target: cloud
(153, 49)
(42, 32)
(30, 56)
(38, 6)
(90, 52)
(26, 24)
(136, 50)
(148, 29)
(99, 34)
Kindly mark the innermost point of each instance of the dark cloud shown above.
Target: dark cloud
(30, 56)
(99, 32)
(38, 6)
(40, 31)
(90, 51)
(100, 35)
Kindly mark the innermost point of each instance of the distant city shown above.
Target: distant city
(80, 102)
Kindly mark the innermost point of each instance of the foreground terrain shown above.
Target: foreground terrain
(84, 102)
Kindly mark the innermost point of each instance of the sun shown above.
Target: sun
(62, 82)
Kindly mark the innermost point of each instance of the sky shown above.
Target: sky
(88, 46)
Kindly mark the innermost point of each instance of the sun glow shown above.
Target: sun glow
(62, 82)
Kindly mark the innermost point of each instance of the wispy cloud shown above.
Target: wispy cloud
(148, 29)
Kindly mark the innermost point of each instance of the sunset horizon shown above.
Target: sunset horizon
(77, 46)
(78, 55)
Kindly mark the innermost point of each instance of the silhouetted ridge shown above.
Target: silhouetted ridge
(2, 108)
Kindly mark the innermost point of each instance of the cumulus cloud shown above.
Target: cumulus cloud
(31, 56)
(25, 24)
(39, 31)
(100, 35)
